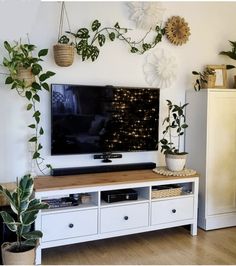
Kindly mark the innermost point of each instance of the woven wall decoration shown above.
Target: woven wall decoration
(177, 30)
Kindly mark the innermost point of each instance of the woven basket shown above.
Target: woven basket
(63, 54)
(168, 192)
(211, 79)
(25, 74)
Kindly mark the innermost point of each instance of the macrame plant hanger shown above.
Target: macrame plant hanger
(63, 50)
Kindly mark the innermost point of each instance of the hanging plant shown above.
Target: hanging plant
(26, 76)
(89, 40)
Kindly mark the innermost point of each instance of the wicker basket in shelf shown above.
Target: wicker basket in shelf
(166, 192)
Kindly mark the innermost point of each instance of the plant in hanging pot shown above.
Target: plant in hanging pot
(231, 54)
(21, 61)
(20, 221)
(174, 130)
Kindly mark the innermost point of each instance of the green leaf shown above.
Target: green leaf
(36, 97)
(230, 54)
(184, 126)
(29, 217)
(117, 26)
(45, 86)
(95, 25)
(36, 114)
(134, 50)
(83, 33)
(29, 106)
(36, 86)
(112, 36)
(30, 242)
(64, 39)
(229, 67)
(42, 52)
(36, 155)
(33, 139)
(33, 235)
(40, 147)
(36, 69)
(101, 39)
(9, 221)
(28, 95)
(7, 47)
(46, 75)
(32, 126)
(41, 131)
(94, 53)
(9, 80)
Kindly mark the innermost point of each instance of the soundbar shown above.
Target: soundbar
(101, 169)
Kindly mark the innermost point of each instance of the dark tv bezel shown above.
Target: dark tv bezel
(102, 152)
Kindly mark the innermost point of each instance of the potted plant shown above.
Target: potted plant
(26, 76)
(25, 210)
(205, 80)
(175, 129)
(231, 54)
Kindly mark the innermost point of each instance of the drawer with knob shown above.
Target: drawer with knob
(69, 224)
(124, 217)
(171, 210)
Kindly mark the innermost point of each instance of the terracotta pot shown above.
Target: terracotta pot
(25, 74)
(175, 162)
(63, 54)
(17, 258)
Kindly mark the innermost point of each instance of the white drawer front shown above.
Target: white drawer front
(165, 211)
(69, 224)
(124, 217)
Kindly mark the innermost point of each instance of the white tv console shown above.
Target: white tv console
(98, 219)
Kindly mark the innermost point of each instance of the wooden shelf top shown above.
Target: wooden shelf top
(46, 183)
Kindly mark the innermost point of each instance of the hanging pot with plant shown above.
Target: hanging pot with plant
(64, 50)
(175, 129)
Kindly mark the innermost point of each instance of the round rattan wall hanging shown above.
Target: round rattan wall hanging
(177, 30)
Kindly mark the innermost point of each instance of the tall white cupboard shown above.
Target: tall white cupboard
(211, 144)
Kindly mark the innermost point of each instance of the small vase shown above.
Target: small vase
(175, 162)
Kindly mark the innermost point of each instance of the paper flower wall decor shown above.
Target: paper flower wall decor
(146, 14)
(160, 69)
(177, 30)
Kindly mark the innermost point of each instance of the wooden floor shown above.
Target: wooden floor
(170, 246)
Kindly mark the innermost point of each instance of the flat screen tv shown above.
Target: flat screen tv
(99, 119)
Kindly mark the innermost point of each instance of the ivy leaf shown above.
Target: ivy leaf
(28, 95)
(33, 139)
(42, 52)
(31, 126)
(36, 97)
(45, 86)
(29, 106)
(101, 39)
(36, 68)
(95, 25)
(9, 80)
(83, 33)
(112, 36)
(36, 86)
(46, 75)
(41, 131)
(36, 155)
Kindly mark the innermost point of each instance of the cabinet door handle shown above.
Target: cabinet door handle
(174, 211)
(71, 225)
(126, 218)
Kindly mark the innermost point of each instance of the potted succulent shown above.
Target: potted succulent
(205, 80)
(231, 54)
(26, 76)
(25, 210)
(175, 129)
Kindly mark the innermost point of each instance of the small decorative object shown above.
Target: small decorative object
(146, 14)
(164, 171)
(160, 69)
(25, 209)
(231, 54)
(177, 30)
(27, 77)
(221, 75)
(63, 51)
(85, 198)
(175, 129)
(205, 80)
(166, 191)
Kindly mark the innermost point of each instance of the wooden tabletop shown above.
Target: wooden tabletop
(45, 183)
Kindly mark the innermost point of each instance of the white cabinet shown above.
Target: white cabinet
(98, 219)
(211, 143)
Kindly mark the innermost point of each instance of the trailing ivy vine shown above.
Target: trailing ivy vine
(88, 41)
(20, 56)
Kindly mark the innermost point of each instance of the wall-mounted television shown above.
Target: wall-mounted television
(99, 119)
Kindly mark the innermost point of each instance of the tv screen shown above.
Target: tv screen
(98, 119)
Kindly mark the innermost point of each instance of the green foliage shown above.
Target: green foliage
(21, 55)
(89, 40)
(202, 77)
(175, 128)
(231, 54)
(25, 211)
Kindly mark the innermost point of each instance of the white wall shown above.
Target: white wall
(212, 25)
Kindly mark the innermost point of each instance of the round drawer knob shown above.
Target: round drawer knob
(71, 225)
(174, 211)
(126, 218)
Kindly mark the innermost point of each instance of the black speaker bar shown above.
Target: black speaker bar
(101, 169)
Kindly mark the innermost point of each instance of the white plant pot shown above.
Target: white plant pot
(175, 162)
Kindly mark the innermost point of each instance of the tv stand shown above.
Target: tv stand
(106, 156)
(97, 219)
